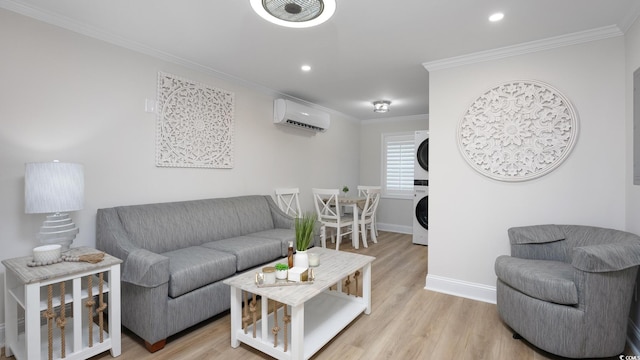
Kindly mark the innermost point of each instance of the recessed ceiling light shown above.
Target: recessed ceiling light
(295, 13)
(496, 17)
(305, 68)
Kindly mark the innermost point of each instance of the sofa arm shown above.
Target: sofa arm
(606, 257)
(140, 267)
(280, 219)
(145, 268)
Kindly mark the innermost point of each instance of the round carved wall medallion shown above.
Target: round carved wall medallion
(518, 131)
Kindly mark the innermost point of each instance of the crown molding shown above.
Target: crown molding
(525, 48)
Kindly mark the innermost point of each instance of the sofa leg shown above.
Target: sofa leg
(155, 347)
(517, 336)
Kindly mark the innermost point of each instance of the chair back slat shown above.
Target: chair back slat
(326, 203)
(288, 201)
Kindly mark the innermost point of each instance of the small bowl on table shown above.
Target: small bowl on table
(47, 253)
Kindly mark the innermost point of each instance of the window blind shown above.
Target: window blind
(398, 163)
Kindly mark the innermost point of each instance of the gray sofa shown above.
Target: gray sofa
(567, 289)
(175, 256)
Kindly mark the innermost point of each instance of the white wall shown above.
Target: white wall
(69, 97)
(393, 214)
(632, 42)
(469, 214)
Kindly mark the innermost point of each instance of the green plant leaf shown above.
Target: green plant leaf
(304, 231)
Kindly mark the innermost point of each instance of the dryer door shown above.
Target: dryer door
(422, 154)
(422, 212)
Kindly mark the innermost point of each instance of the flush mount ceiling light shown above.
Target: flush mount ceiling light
(381, 106)
(295, 13)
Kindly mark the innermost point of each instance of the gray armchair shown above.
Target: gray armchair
(567, 288)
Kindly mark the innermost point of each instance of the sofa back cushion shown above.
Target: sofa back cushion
(169, 226)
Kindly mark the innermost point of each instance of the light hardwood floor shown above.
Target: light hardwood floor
(406, 322)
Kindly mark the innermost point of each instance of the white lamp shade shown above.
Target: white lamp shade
(53, 187)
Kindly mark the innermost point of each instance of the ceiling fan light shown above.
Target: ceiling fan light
(381, 106)
(295, 13)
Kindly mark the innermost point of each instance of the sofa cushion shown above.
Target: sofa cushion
(253, 212)
(551, 281)
(196, 266)
(282, 235)
(249, 251)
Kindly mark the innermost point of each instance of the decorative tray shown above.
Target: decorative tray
(307, 280)
(284, 283)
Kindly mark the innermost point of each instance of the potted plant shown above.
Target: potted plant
(304, 234)
(281, 271)
(345, 190)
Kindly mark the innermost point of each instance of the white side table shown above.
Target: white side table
(28, 288)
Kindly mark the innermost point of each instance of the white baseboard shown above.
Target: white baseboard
(402, 229)
(461, 288)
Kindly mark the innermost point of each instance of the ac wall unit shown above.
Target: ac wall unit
(287, 112)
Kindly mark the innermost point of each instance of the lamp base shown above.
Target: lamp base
(58, 229)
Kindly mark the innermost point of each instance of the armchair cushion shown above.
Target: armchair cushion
(550, 281)
(535, 234)
(196, 266)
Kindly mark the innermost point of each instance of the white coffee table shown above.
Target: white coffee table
(317, 313)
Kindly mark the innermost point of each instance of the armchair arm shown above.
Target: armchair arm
(606, 257)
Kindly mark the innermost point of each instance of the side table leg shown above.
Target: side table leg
(297, 332)
(32, 321)
(115, 311)
(11, 314)
(236, 315)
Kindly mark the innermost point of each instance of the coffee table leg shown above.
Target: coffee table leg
(366, 287)
(297, 332)
(236, 315)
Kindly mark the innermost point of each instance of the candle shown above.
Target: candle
(314, 259)
(269, 275)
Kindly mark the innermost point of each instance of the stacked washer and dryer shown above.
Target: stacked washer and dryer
(421, 189)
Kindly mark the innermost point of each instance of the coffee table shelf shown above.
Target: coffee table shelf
(317, 313)
(324, 317)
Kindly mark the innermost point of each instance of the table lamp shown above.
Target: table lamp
(54, 188)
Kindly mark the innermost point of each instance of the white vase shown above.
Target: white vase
(301, 259)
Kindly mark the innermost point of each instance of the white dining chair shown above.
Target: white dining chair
(328, 211)
(362, 191)
(288, 201)
(367, 215)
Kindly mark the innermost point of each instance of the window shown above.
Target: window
(397, 164)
